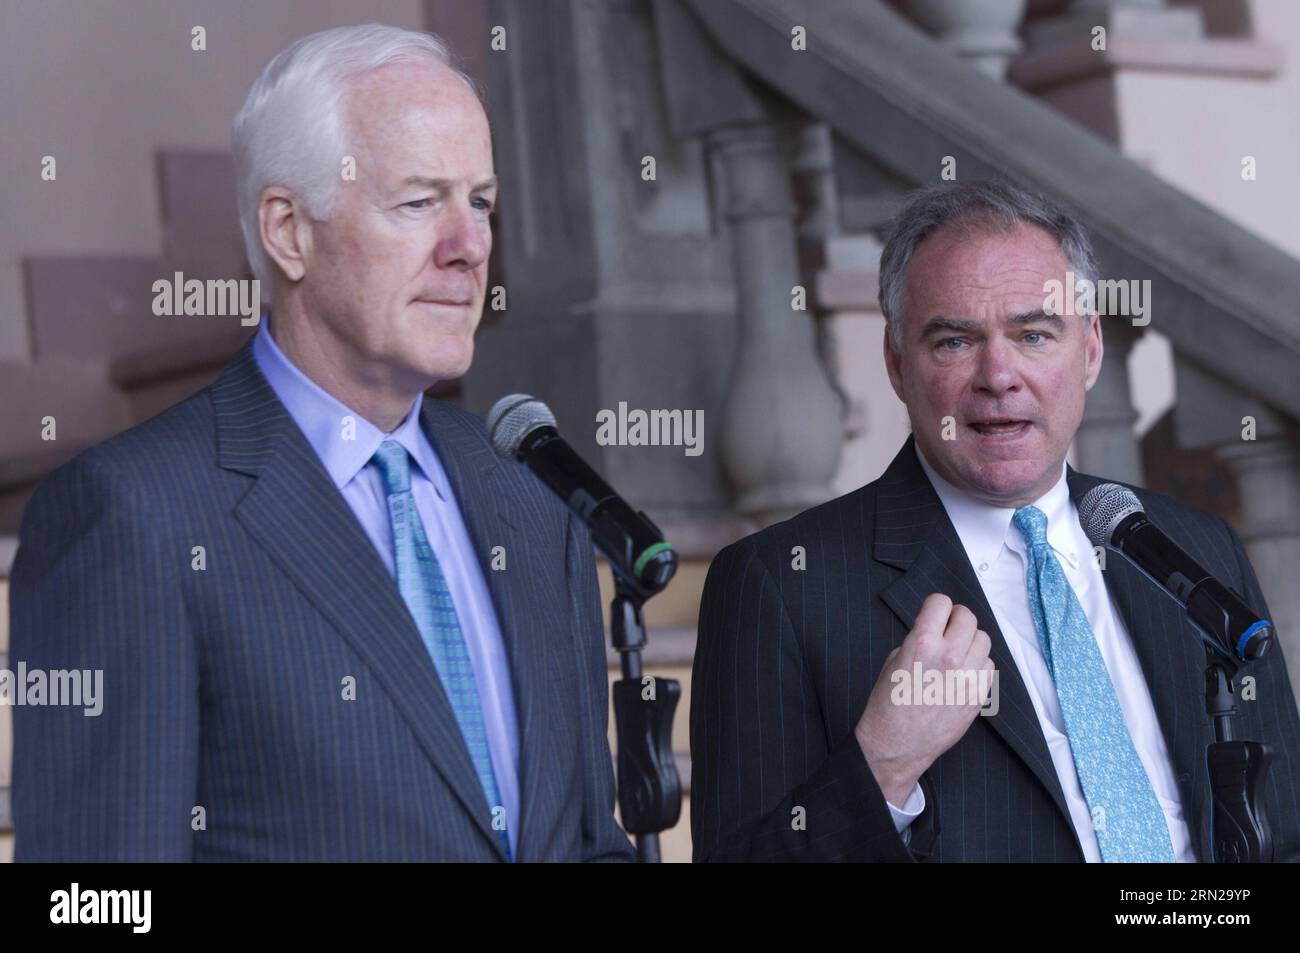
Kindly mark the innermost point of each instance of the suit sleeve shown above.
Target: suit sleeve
(603, 839)
(1272, 718)
(767, 784)
(92, 590)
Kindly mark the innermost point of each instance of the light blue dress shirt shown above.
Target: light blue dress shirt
(345, 441)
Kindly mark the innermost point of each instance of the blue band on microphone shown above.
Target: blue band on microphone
(1245, 636)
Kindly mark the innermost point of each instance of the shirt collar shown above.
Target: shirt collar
(983, 527)
(342, 438)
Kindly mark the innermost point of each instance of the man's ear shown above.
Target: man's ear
(1094, 350)
(285, 230)
(893, 365)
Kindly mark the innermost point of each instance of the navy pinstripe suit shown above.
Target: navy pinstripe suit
(224, 688)
(787, 658)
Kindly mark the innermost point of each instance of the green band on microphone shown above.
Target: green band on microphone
(650, 553)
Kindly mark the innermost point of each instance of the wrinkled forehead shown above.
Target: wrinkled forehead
(982, 273)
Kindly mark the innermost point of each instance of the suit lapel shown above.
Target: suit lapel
(914, 533)
(296, 514)
(493, 518)
(1173, 662)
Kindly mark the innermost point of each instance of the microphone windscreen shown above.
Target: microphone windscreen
(514, 417)
(1103, 508)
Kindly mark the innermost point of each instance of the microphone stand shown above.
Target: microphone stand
(649, 790)
(1238, 828)
(1233, 635)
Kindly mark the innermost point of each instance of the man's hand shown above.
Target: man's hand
(901, 741)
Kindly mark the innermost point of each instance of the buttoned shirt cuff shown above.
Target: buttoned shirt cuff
(912, 808)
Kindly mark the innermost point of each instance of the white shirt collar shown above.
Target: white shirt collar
(984, 528)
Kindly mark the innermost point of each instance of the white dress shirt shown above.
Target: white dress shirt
(998, 554)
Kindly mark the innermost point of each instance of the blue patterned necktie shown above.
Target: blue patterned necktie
(1127, 818)
(424, 588)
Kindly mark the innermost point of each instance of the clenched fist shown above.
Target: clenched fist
(900, 741)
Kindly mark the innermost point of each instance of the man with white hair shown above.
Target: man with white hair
(333, 624)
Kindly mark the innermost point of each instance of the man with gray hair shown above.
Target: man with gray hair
(333, 624)
(836, 699)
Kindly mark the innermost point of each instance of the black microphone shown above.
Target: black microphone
(523, 428)
(1112, 516)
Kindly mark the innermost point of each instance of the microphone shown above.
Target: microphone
(1112, 516)
(523, 428)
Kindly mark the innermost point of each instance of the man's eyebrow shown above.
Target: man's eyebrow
(940, 324)
(1033, 317)
(431, 183)
(935, 325)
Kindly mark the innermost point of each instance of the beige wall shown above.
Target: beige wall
(102, 87)
(1193, 131)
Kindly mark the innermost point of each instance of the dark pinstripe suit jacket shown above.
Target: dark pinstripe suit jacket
(224, 687)
(787, 658)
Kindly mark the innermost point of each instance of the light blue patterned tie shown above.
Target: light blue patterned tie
(424, 587)
(1127, 818)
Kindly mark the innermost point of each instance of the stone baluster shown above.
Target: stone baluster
(983, 32)
(1105, 443)
(781, 427)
